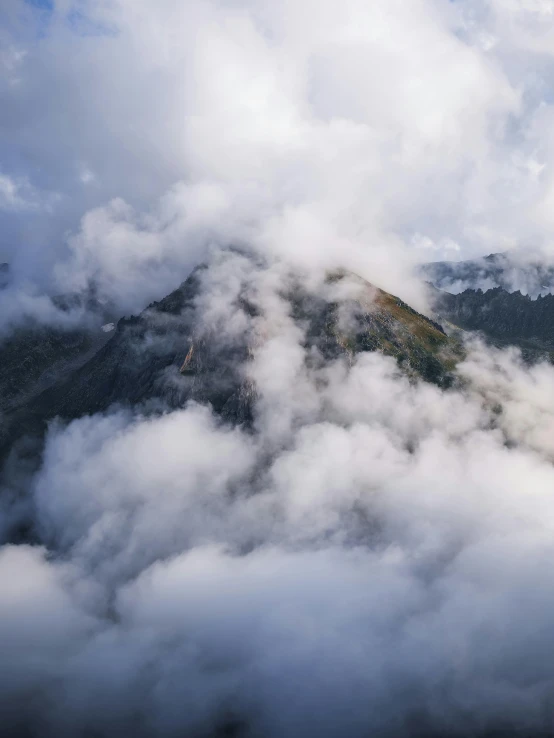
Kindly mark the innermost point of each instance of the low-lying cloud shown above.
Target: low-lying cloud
(369, 555)
(372, 556)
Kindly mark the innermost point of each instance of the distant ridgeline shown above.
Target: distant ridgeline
(167, 356)
(508, 317)
(531, 277)
(509, 302)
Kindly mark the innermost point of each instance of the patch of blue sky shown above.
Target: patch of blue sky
(43, 11)
(47, 5)
(76, 18)
(83, 25)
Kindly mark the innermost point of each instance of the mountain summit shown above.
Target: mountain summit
(175, 351)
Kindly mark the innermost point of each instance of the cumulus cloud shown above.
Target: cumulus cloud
(328, 133)
(10, 194)
(371, 555)
(18, 195)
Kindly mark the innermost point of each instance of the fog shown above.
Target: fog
(370, 136)
(370, 555)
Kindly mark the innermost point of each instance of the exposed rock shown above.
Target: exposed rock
(165, 357)
(374, 320)
(35, 356)
(506, 318)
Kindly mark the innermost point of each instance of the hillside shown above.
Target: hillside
(168, 355)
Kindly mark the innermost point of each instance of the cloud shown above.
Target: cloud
(16, 195)
(327, 134)
(9, 193)
(372, 556)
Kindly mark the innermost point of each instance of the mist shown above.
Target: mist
(368, 553)
(329, 134)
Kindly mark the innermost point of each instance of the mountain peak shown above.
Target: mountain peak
(172, 352)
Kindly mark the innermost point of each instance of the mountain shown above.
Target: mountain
(507, 300)
(508, 271)
(382, 322)
(504, 317)
(34, 356)
(170, 354)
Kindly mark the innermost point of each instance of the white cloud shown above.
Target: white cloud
(373, 559)
(374, 556)
(331, 132)
(10, 60)
(12, 194)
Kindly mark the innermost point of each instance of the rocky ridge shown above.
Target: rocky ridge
(168, 355)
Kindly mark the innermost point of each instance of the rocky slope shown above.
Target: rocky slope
(170, 354)
(34, 357)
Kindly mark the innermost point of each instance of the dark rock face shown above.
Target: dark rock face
(168, 355)
(34, 357)
(142, 363)
(509, 318)
(161, 355)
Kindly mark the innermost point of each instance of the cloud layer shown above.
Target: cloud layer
(372, 557)
(366, 135)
